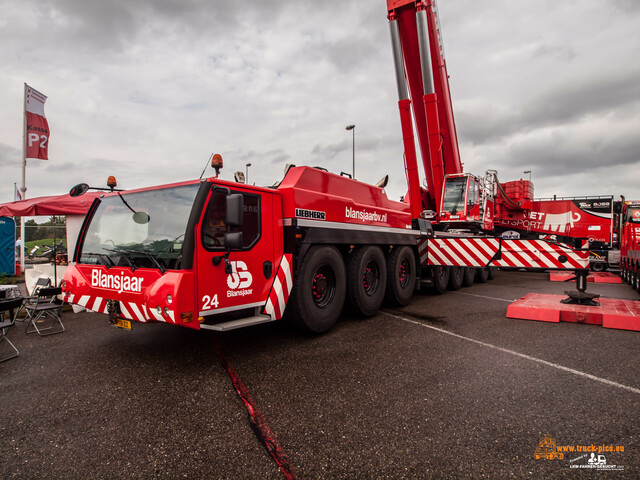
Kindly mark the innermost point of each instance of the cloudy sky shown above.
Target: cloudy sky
(148, 90)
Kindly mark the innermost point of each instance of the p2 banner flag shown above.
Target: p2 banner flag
(37, 129)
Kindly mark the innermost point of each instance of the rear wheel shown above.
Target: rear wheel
(440, 278)
(482, 275)
(625, 273)
(367, 277)
(319, 292)
(401, 276)
(469, 276)
(456, 276)
(598, 267)
(492, 272)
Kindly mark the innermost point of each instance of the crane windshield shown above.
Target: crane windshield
(454, 195)
(141, 229)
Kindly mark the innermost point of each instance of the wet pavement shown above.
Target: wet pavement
(446, 387)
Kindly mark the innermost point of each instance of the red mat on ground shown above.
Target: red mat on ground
(596, 277)
(610, 313)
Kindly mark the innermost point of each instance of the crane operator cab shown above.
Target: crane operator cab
(461, 203)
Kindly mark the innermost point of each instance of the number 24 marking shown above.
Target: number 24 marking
(208, 303)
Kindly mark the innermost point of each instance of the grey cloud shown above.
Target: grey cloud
(570, 154)
(329, 151)
(629, 6)
(9, 155)
(569, 99)
(561, 51)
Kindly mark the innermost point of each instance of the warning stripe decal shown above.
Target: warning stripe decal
(478, 252)
(281, 289)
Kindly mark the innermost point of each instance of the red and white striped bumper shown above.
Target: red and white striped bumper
(493, 252)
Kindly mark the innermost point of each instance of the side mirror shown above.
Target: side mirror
(233, 241)
(79, 189)
(235, 207)
(141, 218)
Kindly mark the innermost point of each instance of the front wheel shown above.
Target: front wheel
(319, 290)
(367, 277)
(598, 267)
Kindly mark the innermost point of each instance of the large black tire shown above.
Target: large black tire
(469, 276)
(367, 279)
(625, 273)
(493, 272)
(401, 276)
(482, 275)
(440, 278)
(456, 275)
(319, 290)
(598, 266)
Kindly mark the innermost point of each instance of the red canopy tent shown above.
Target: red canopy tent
(52, 205)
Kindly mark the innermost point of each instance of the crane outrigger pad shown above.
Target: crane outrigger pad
(609, 312)
(595, 277)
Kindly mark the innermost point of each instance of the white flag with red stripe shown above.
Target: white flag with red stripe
(37, 128)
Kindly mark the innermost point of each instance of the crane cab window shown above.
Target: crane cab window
(633, 215)
(214, 225)
(474, 192)
(454, 195)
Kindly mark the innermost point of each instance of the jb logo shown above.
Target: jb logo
(240, 278)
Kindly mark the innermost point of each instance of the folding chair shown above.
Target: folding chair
(41, 282)
(46, 305)
(8, 306)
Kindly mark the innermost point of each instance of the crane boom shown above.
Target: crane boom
(423, 86)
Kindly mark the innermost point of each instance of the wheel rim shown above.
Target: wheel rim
(370, 278)
(403, 273)
(323, 287)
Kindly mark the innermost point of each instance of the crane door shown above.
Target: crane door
(240, 277)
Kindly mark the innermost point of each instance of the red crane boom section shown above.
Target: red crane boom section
(421, 73)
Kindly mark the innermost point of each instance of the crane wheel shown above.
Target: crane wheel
(482, 275)
(456, 276)
(367, 279)
(440, 278)
(469, 276)
(319, 290)
(492, 272)
(401, 276)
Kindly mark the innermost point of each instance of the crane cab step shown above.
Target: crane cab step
(237, 323)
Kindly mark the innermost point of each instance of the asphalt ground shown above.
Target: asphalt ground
(447, 387)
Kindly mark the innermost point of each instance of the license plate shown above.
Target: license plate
(122, 323)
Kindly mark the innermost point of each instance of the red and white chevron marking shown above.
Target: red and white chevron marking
(280, 290)
(129, 310)
(478, 252)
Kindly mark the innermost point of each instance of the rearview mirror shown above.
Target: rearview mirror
(79, 189)
(141, 218)
(233, 241)
(235, 207)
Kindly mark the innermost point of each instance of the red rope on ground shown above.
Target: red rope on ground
(257, 421)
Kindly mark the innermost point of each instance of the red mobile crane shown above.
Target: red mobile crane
(630, 242)
(213, 254)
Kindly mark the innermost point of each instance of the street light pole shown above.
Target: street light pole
(353, 146)
(246, 177)
(529, 172)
